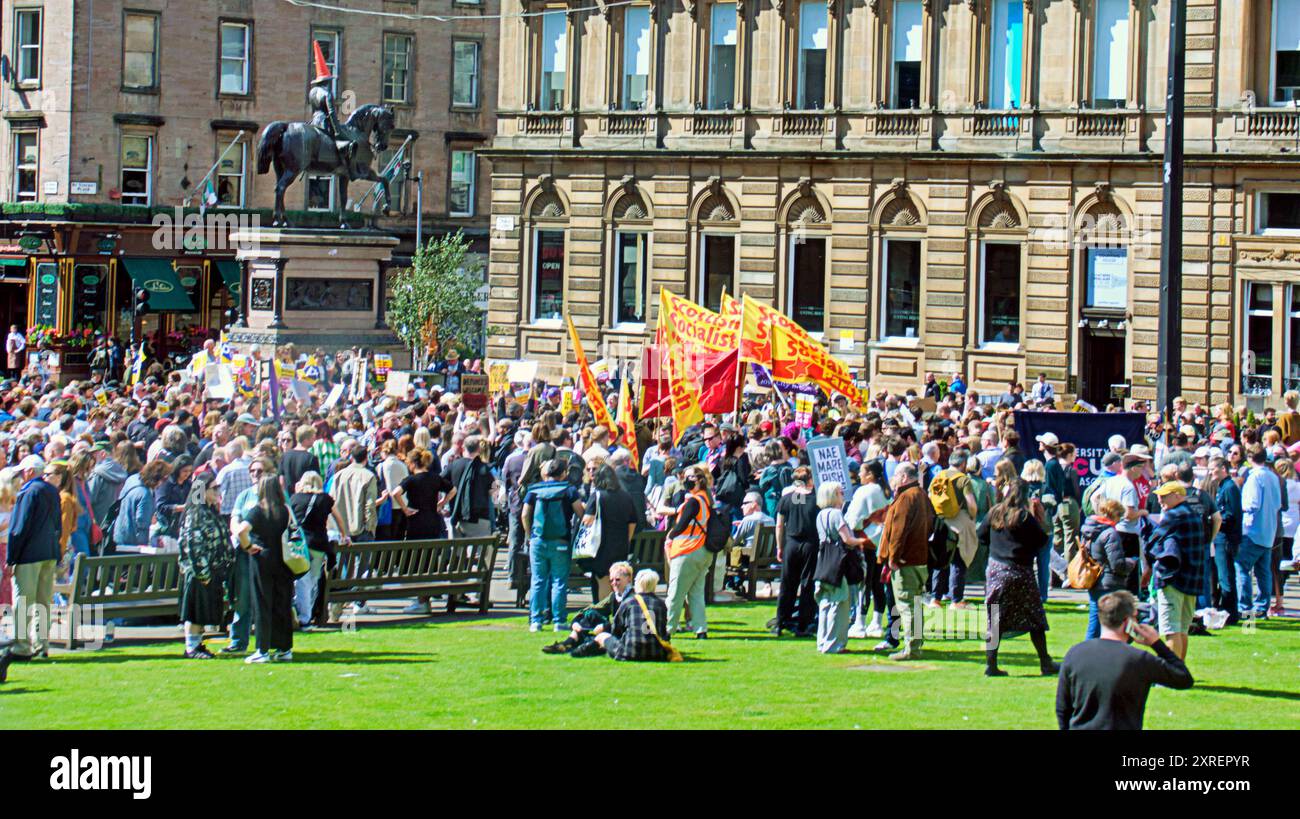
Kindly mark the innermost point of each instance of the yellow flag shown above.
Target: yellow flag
(628, 423)
(594, 398)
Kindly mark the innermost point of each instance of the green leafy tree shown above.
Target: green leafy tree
(435, 297)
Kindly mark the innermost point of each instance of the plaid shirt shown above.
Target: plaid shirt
(632, 639)
(326, 452)
(232, 480)
(1182, 534)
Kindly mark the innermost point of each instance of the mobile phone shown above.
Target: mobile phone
(1131, 629)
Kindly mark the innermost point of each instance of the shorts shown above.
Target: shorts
(1175, 610)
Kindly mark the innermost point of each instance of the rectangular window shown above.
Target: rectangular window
(907, 53)
(1000, 294)
(1107, 283)
(137, 170)
(555, 60)
(235, 53)
(464, 82)
(27, 46)
(1007, 39)
(1110, 58)
(140, 51)
(330, 48)
(630, 265)
(1286, 51)
(320, 192)
(397, 68)
(808, 283)
(902, 318)
(718, 257)
(813, 34)
(460, 200)
(26, 166)
(230, 174)
(722, 57)
(636, 58)
(1279, 213)
(1257, 363)
(548, 275)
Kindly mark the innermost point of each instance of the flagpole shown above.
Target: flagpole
(216, 164)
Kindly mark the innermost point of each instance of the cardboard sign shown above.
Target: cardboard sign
(219, 381)
(830, 461)
(474, 391)
(803, 409)
(359, 379)
(921, 406)
(301, 390)
(335, 394)
(397, 383)
(566, 400)
(521, 372)
(383, 365)
(498, 378)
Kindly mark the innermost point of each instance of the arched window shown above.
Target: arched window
(630, 225)
(900, 227)
(715, 220)
(548, 220)
(807, 227)
(999, 228)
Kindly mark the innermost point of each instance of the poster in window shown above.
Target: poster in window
(1108, 278)
(47, 294)
(88, 295)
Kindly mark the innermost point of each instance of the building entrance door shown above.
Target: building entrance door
(1101, 364)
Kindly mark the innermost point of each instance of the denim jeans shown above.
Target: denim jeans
(1044, 564)
(949, 582)
(1256, 560)
(304, 588)
(1094, 619)
(243, 598)
(1225, 555)
(549, 563)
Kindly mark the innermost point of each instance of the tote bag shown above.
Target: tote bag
(587, 543)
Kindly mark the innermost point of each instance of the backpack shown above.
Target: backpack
(730, 490)
(576, 465)
(772, 483)
(943, 495)
(462, 510)
(1085, 505)
(108, 546)
(717, 532)
(551, 519)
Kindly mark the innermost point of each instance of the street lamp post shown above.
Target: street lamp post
(1169, 352)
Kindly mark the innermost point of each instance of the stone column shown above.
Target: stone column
(245, 275)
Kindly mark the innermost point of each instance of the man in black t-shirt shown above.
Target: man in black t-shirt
(299, 461)
(1104, 683)
(796, 545)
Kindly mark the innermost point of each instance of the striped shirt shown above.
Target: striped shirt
(232, 480)
(326, 452)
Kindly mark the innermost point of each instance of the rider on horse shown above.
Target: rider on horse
(321, 100)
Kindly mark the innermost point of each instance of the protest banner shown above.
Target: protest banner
(397, 383)
(830, 462)
(220, 382)
(589, 386)
(1090, 433)
(336, 393)
(498, 378)
(566, 400)
(474, 391)
(803, 408)
(697, 326)
(383, 365)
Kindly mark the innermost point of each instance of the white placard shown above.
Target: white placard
(505, 223)
(335, 394)
(52, 188)
(83, 188)
(219, 381)
(397, 384)
(830, 461)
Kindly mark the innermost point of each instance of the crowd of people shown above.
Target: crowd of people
(1196, 519)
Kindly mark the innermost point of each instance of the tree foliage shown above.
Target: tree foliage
(435, 297)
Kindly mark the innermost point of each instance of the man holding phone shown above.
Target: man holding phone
(1104, 683)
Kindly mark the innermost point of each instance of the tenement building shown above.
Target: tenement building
(118, 112)
(964, 186)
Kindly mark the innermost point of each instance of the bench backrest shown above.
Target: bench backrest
(415, 561)
(647, 551)
(765, 545)
(125, 578)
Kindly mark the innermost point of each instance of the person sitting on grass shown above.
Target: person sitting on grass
(596, 616)
(639, 625)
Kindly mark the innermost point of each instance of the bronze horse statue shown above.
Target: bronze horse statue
(295, 148)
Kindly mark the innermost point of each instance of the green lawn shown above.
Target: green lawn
(488, 672)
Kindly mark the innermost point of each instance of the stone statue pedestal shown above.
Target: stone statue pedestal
(315, 288)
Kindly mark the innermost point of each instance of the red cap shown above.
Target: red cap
(766, 426)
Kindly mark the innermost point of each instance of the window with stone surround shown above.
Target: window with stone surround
(26, 174)
(236, 58)
(636, 60)
(1110, 53)
(1006, 54)
(552, 49)
(137, 169)
(1284, 51)
(907, 52)
(398, 50)
(27, 46)
(902, 289)
(331, 48)
(230, 174)
(723, 40)
(140, 51)
(814, 37)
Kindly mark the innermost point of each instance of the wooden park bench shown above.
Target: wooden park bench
(412, 568)
(646, 552)
(124, 585)
(762, 566)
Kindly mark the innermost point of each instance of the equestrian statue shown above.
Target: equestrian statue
(343, 150)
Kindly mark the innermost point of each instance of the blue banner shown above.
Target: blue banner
(1090, 433)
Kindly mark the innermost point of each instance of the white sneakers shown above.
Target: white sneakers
(257, 657)
(534, 627)
(359, 610)
(417, 608)
(857, 631)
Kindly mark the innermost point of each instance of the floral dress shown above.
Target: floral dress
(205, 561)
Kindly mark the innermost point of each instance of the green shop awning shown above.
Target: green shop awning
(13, 262)
(166, 293)
(229, 269)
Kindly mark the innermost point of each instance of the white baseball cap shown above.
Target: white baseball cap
(1048, 438)
(33, 462)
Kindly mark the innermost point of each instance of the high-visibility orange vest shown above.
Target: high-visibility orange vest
(693, 536)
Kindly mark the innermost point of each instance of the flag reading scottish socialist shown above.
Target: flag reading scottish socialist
(595, 400)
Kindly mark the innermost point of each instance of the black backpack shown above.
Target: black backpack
(576, 466)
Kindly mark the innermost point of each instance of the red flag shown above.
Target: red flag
(716, 373)
(655, 397)
(628, 423)
(594, 397)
